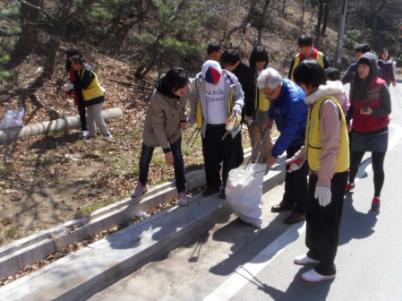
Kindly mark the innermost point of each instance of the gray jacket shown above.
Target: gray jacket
(196, 93)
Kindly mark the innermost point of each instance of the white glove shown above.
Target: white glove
(68, 86)
(294, 165)
(323, 194)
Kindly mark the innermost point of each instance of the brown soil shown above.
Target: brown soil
(46, 180)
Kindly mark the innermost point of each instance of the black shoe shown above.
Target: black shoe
(281, 207)
(210, 191)
(294, 218)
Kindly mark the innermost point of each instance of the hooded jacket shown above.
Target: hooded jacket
(370, 93)
(233, 95)
(333, 137)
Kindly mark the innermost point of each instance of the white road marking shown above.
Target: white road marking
(244, 274)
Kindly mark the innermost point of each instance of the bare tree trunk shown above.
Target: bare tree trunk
(325, 19)
(283, 10)
(27, 40)
(303, 8)
(263, 20)
(319, 18)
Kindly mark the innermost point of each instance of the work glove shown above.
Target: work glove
(323, 194)
(294, 165)
(233, 121)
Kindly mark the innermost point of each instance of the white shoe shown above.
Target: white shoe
(108, 137)
(183, 199)
(313, 276)
(84, 134)
(304, 260)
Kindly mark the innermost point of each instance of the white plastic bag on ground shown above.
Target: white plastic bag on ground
(244, 191)
(13, 119)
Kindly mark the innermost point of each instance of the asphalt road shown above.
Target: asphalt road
(234, 261)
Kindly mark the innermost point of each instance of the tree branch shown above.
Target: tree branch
(41, 9)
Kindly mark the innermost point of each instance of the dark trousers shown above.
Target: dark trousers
(322, 224)
(215, 150)
(146, 157)
(377, 159)
(296, 184)
(83, 118)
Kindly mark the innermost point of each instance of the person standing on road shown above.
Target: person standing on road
(370, 109)
(258, 62)
(327, 153)
(289, 112)
(217, 100)
(351, 70)
(306, 51)
(93, 97)
(164, 121)
(387, 68)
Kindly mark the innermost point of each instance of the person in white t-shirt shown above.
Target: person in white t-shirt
(217, 100)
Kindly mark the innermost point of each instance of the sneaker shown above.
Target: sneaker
(210, 191)
(349, 187)
(282, 206)
(313, 276)
(108, 137)
(84, 134)
(375, 204)
(139, 190)
(294, 218)
(183, 199)
(304, 260)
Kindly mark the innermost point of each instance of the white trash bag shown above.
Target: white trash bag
(244, 191)
(13, 119)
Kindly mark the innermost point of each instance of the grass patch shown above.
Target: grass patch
(11, 232)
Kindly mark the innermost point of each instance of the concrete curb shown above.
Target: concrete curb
(62, 124)
(31, 249)
(91, 269)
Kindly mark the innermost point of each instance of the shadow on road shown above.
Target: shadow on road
(355, 224)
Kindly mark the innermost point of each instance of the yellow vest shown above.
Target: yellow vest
(200, 117)
(261, 103)
(313, 138)
(94, 89)
(320, 60)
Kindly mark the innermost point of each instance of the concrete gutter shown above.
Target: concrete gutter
(31, 249)
(47, 127)
(91, 269)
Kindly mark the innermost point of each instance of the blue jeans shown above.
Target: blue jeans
(146, 157)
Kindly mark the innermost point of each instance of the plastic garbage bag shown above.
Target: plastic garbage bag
(13, 119)
(244, 191)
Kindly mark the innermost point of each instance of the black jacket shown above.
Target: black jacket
(247, 80)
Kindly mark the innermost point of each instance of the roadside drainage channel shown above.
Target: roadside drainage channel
(30, 250)
(94, 267)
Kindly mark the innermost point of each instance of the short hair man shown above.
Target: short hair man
(289, 112)
(306, 51)
(214, 51)
(351, 71)
(231, 61)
